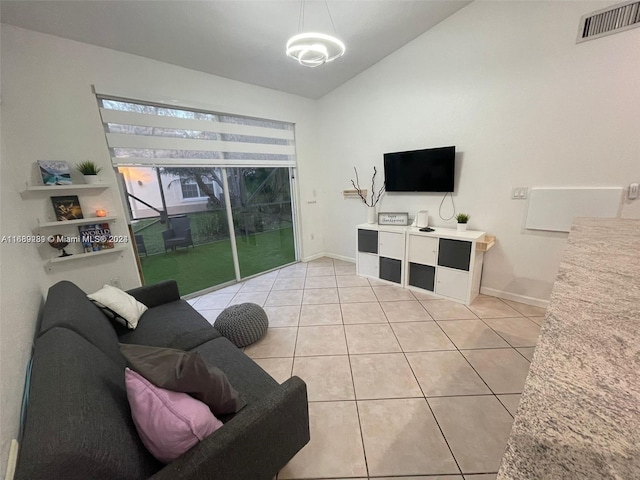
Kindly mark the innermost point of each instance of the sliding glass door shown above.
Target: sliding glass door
(263, 218)
(181, 224)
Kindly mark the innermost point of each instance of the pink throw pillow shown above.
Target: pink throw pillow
(169, 423)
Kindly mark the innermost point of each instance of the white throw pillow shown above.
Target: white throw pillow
(118, 305)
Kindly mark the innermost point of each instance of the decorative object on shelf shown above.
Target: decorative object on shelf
(101, 213)
(95, 237)
(59, 242)
(54, 172)
(67, 207)
(371, 214)
(371, 211)
(422, 219)
(352, 193)
(314, 49)
(89, 170)
(462, 219)
(393, 218)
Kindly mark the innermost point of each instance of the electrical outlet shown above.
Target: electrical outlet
(634, 191)
(115, 282)
(312, 236)
(519, 193)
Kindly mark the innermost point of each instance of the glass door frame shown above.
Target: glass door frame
(232, 234)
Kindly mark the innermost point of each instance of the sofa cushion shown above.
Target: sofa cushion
(174, 325)
(169, 423)
(118, 305)
(156, 294)
(243, 373)
(78, 423)
(186, 372)
(68, 306)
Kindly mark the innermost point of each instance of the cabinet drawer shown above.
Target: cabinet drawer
(452, 283)
(391, 245)
(368, 264)
(367, 241)
(423, 250)
(422, 276)
(454, 254)
(390, 270)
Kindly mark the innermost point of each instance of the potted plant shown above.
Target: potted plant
(375, 198)
(463, 219)
(89, 170)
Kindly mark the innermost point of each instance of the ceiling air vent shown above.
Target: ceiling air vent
(609, 20)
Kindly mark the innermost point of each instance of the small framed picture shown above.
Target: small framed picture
(54, 172)
(393, 218)
(67, 208)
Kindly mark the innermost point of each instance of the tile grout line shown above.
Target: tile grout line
(427, 401)
(355, 398)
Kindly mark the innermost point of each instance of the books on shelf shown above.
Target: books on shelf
(95, 237)
(67, 207)
(55, 172)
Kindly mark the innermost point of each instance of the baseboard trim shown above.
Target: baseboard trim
(330, 255)
(312, 257)
(494, 292)
(341, 257)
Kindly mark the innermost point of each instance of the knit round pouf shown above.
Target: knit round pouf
(242, 324)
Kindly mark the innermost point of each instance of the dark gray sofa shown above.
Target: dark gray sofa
(78, 422)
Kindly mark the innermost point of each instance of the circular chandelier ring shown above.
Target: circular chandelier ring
(300, 45)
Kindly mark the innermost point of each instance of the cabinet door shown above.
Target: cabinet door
(423, 249)
(391, 269)
(454, 254)
(422, 276)
(367, 241)
(391, 245)
(452, 283)
(368, 264)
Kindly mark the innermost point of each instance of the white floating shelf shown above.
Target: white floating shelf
(79, 256)
(82, 221)
(64, 188)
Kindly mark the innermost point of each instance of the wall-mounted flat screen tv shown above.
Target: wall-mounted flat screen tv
(428, 170)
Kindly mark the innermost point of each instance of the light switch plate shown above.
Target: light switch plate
(519, 193)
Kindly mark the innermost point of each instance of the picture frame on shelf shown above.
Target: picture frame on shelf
(67, 208)
(55, 172)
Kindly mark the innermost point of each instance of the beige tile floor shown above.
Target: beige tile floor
(400, 385)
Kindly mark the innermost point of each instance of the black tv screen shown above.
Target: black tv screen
(428, 170)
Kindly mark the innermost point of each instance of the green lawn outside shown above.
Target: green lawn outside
(211, 264)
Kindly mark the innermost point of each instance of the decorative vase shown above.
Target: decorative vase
(462, 227)
(91, 179)
(371, 214)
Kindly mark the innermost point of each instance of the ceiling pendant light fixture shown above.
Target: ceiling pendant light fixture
(314, 49)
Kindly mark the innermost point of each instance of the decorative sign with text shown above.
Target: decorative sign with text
(393, 218)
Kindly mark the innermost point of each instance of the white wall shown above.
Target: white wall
(525, 106)
(49, 112)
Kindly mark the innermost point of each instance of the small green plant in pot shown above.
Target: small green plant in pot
(89, 170)
(463, 219)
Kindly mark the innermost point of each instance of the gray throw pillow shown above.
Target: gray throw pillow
(186, 372)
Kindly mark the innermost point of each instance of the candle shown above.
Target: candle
(101, 213)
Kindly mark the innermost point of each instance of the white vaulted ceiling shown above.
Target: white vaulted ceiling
(240, 40)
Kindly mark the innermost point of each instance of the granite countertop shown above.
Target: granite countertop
(579, 415)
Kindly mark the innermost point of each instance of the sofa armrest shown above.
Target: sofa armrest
(157, 294)
(253, 445)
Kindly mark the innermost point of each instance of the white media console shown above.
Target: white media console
(445, 262)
